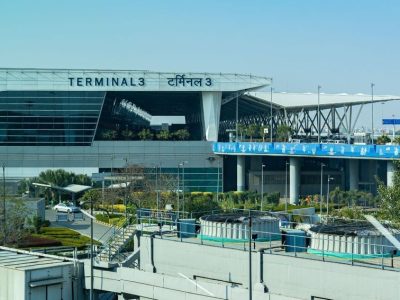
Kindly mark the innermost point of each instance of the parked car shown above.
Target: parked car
(68, 208)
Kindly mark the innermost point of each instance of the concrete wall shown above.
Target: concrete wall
(132, 283)
(22, 161)
(283, 275)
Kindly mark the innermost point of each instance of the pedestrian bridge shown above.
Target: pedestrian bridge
(385, 152)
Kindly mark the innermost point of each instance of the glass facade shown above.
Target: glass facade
(125, 114)
(43, 118)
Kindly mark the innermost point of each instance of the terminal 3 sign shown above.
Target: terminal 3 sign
(180, 80)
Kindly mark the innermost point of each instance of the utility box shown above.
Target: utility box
(186, 228)
(295, 241)
(32, 277)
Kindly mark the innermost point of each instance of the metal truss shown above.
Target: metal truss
(304, 122)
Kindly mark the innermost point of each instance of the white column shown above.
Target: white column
(294, 169)
(240, 173)
(211, 103)
(353, 174)
(389, 173)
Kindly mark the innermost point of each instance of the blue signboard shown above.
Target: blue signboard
(390, 121)
(306, 149)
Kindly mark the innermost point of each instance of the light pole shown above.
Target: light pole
(250, 264)
(320, 194)
(182, 164)
(262, 185)
(327, 195)
(177, 192)
(372, 111)
(4, 206)
(394, 129)
(157, 169)
(218, 179)
(319, 116)
(112, 182)
(126, 189)
(286, 189)
(91, 250)
(237, 117)
(270, 127)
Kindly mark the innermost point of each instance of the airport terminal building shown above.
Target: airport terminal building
(97, 121)
(94, 121)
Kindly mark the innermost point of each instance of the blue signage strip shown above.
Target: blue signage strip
(390, 121)
(305, 149)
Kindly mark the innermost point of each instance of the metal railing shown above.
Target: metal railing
(112, 248)
(373, 251)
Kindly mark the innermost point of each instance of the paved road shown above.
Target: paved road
(100, 232)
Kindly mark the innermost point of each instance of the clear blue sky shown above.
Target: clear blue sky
(342, 45)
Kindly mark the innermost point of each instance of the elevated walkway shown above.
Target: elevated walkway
(384, 152)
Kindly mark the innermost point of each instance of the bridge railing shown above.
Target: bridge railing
(365, 248)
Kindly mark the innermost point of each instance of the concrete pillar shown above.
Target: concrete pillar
(294, 170)
(211, 104)
(389, 173)
(240, 173)
(353, 174)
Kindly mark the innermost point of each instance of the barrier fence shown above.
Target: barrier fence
(365, 249)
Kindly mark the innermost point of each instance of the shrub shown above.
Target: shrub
(145, 134)
(102, 218)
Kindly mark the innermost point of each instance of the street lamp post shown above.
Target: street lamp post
(372, 111)
(262, 185)
(183, 189)
(177, 192)
(218, 178)
(250, 263)
(4, 206)
(319, 116)
(91, 250)
(182, 164)
(270, 127)
(320, 195)
(286, 189)
(327, 195)
(126, 189)
(394, 129)
(157, 169)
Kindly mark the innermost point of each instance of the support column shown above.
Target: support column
(294, 179)
(211, 104)
(389, 173)
(353, 174)
(240, 173)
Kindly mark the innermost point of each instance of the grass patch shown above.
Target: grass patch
(65, 236)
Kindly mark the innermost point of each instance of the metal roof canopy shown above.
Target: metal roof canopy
(298, 101)
(24, 260)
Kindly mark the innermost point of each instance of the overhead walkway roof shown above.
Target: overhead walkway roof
(295, 101)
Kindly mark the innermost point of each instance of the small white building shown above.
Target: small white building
(24, 275)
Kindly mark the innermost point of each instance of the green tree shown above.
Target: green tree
(396, 140)
(383, 139)
(242, 131)
(182, 134)
(109, 134)
(16, 218)
(59, 177)
(127, 134)
(145, 134)
(252, 131)
(283, 132)
(163, 135)
(389, 198)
